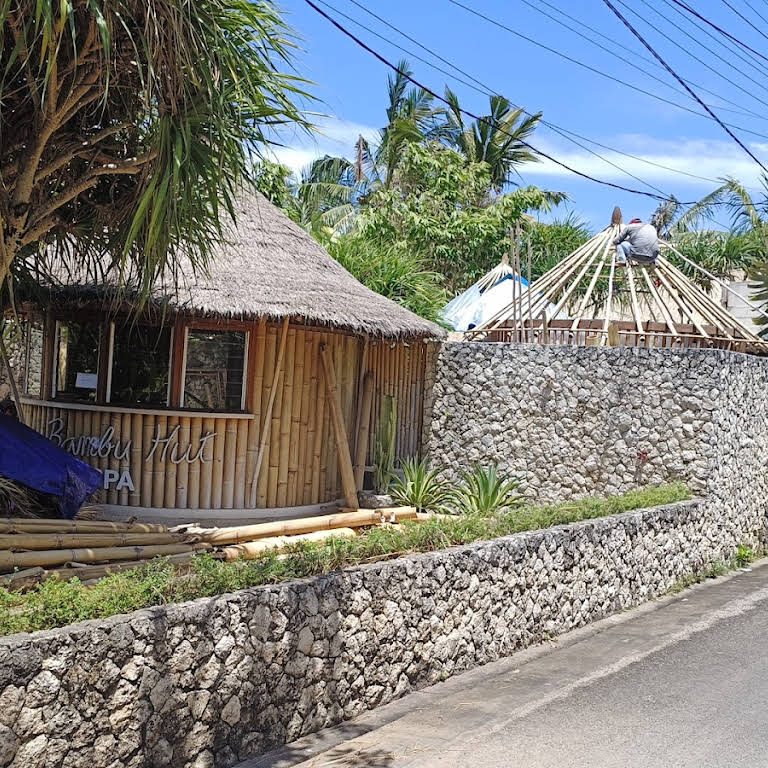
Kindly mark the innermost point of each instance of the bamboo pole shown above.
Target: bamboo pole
(364, 411)
(319, 432)
(285, 423)
(230, 458)
(125, 463)
(193, 475)
(339, 430)
(53, 525)
(305, 439)
(182, 470)
(254, 425)
(253, 549)
(137, 427)
(356, 519)
(206, 470)
(158, 465)
(45, 558)
(35, 541)
(268, 414)
(170, 470)
(241, 452)
(88, 573)
(295, 439)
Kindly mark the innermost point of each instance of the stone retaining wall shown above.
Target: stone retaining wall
(571, 421)
(217, 680)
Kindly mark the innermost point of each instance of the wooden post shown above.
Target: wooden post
(268, 414)
(544, 328)
(339, 430)
(366, 401)
(613, 335)
(11, 380)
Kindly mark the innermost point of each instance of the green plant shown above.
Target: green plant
(421, 487)
(744, 555)
(384, 446)
(485, 492)
(54, 603)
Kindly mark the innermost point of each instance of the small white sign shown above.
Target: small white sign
(86, 380)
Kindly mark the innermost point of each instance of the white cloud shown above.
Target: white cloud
(708, 159)
(333, 137)
(711, 160)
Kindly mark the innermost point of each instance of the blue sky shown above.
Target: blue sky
(351, 85)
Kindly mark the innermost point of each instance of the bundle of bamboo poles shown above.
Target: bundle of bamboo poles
(32, 551)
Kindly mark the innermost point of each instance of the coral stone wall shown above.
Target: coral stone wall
(572, 421)
(217, 680)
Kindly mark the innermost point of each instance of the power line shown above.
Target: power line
(483, 88)
(488, 91)
(755, 11)
(741, 110)
(714, 26)
(682, 82)
(744, 18)
(466, 112)
(597, 71)
(695, 57)
(729, 46)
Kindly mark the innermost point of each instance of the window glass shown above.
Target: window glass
(34, 364)
(140, 365)
(214, 373)
(77, 361)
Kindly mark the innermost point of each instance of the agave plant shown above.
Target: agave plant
(485, 492)
(421, 487)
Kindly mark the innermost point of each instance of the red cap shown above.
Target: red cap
(636, 221)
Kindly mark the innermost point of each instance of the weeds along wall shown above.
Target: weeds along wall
(573, 421)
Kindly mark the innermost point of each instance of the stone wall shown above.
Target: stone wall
(217, 680)
(572, 421)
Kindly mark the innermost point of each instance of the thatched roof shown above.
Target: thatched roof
(269, 266)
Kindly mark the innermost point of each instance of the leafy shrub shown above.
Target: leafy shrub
(421, 487)
(486, 492)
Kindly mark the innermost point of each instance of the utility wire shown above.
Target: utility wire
(481, 87)
(725, 43)
(755, 11)
(695, 57)
(682, 82)
(744, 18)
(478, 118)
(741, 110)
(597, 71)
(714, 26)
(484, 89)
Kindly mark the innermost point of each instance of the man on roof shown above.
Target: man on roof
(638, 242)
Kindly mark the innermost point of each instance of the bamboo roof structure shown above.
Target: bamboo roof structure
(609, 304)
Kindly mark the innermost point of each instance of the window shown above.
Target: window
(77, 356)
(33, 368)
(140, 365)
(213, 378)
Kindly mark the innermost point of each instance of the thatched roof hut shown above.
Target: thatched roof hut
(267, 266)
(256, 387)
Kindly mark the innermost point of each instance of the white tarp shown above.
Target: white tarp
(476, 306)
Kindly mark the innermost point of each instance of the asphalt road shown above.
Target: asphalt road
(679, 683)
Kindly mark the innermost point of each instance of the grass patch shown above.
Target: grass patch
(741, 559)
(55, 603)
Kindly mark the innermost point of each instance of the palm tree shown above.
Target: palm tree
(498, 139)
(411, 116)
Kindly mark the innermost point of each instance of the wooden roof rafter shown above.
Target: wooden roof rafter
(599, 297)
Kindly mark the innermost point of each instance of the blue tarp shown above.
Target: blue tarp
(32, 460)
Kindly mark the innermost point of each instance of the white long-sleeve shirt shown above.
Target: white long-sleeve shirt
(643, 240)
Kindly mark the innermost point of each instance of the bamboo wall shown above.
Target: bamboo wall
(299, 465)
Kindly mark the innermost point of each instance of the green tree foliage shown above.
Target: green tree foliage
(441, 211)
(498, 139)
(551, 242)
(128, 127)
(392, 271)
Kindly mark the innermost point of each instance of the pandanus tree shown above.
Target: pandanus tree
(127, 127)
